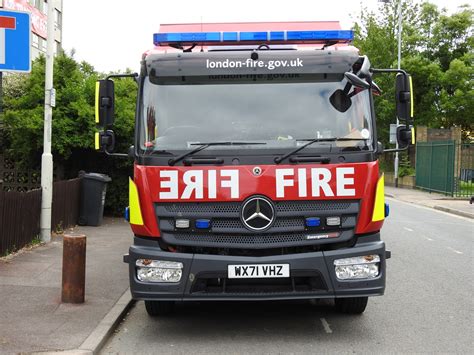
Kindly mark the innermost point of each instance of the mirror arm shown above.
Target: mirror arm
(395, 150)
(401, 71)
(118, 155)
(133, 75)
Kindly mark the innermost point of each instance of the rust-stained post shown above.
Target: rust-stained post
(74, 268)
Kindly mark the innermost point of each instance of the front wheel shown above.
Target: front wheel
(159, 308)
(351, 305)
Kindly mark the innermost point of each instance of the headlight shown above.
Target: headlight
(359, 267)
(158, 271)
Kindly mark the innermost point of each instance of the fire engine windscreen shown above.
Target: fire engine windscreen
(275, 109)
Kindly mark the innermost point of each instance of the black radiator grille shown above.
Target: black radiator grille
(243, 239)
(234, 207)
(299, 282)
(227, 229)
(279, 223)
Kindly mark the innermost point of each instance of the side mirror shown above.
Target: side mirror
(105, 140)
(340, 100)
(404, 96)
(104, 103)
(405, 136)
(356, 81)
(131, 151)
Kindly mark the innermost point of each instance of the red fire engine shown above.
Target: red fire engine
(256, 174)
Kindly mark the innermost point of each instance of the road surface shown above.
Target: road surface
(428, 306)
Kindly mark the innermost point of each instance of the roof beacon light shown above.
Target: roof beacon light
(277, 37)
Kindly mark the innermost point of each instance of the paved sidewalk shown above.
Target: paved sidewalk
(437, 201)
(32, 317)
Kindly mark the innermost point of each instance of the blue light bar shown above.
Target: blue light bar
(313, 222)
(203, 223)
(187, 37)
(286, 37)
(126, 214)
(254, 36)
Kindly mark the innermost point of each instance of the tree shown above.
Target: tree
(452, 37)
(73, 116)
(436, 50)
(73, 125)
(376, 37)
(457, 94)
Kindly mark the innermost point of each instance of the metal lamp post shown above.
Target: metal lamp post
(47, 157)
(400, 24)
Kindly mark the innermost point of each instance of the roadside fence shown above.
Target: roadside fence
(20, 213)
(19, 219)
(446, 167)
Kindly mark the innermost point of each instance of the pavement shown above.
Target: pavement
(460, 207)
(33, 319)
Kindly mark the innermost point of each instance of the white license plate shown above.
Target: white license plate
(258, 271)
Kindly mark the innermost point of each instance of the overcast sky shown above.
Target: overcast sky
(113, 34)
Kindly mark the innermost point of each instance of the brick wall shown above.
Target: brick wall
(425, 134)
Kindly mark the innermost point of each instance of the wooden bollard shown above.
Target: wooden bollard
(74, 268)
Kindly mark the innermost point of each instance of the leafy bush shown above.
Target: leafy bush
(73, 125)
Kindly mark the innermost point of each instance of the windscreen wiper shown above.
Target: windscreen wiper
(202, 146)
(278, 160)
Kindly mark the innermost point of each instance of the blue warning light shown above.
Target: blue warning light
(289, 37)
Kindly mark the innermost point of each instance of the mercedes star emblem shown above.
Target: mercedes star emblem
(257, 170)
(258, 213)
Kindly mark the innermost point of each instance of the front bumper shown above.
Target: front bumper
(204, 277)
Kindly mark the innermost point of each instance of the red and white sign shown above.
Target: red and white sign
(39, 21)
(9, 23)
(284, 182)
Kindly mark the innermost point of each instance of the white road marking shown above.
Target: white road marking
(428, 238)
(456, 251)
(326, 326)
(408, 229)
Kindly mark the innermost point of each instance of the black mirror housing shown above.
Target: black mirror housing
(105, 103)
(340, 100)
(107, 140)
(131, 151)
(404, 97)
(356, 81)
(404, 136)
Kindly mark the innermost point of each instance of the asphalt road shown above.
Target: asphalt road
(428, 306)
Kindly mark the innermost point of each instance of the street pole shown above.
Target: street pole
(47, 157)
(399, 63)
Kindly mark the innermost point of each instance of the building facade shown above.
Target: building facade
(39, 17)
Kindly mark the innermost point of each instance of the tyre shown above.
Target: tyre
(159, 308)
(351, 305)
